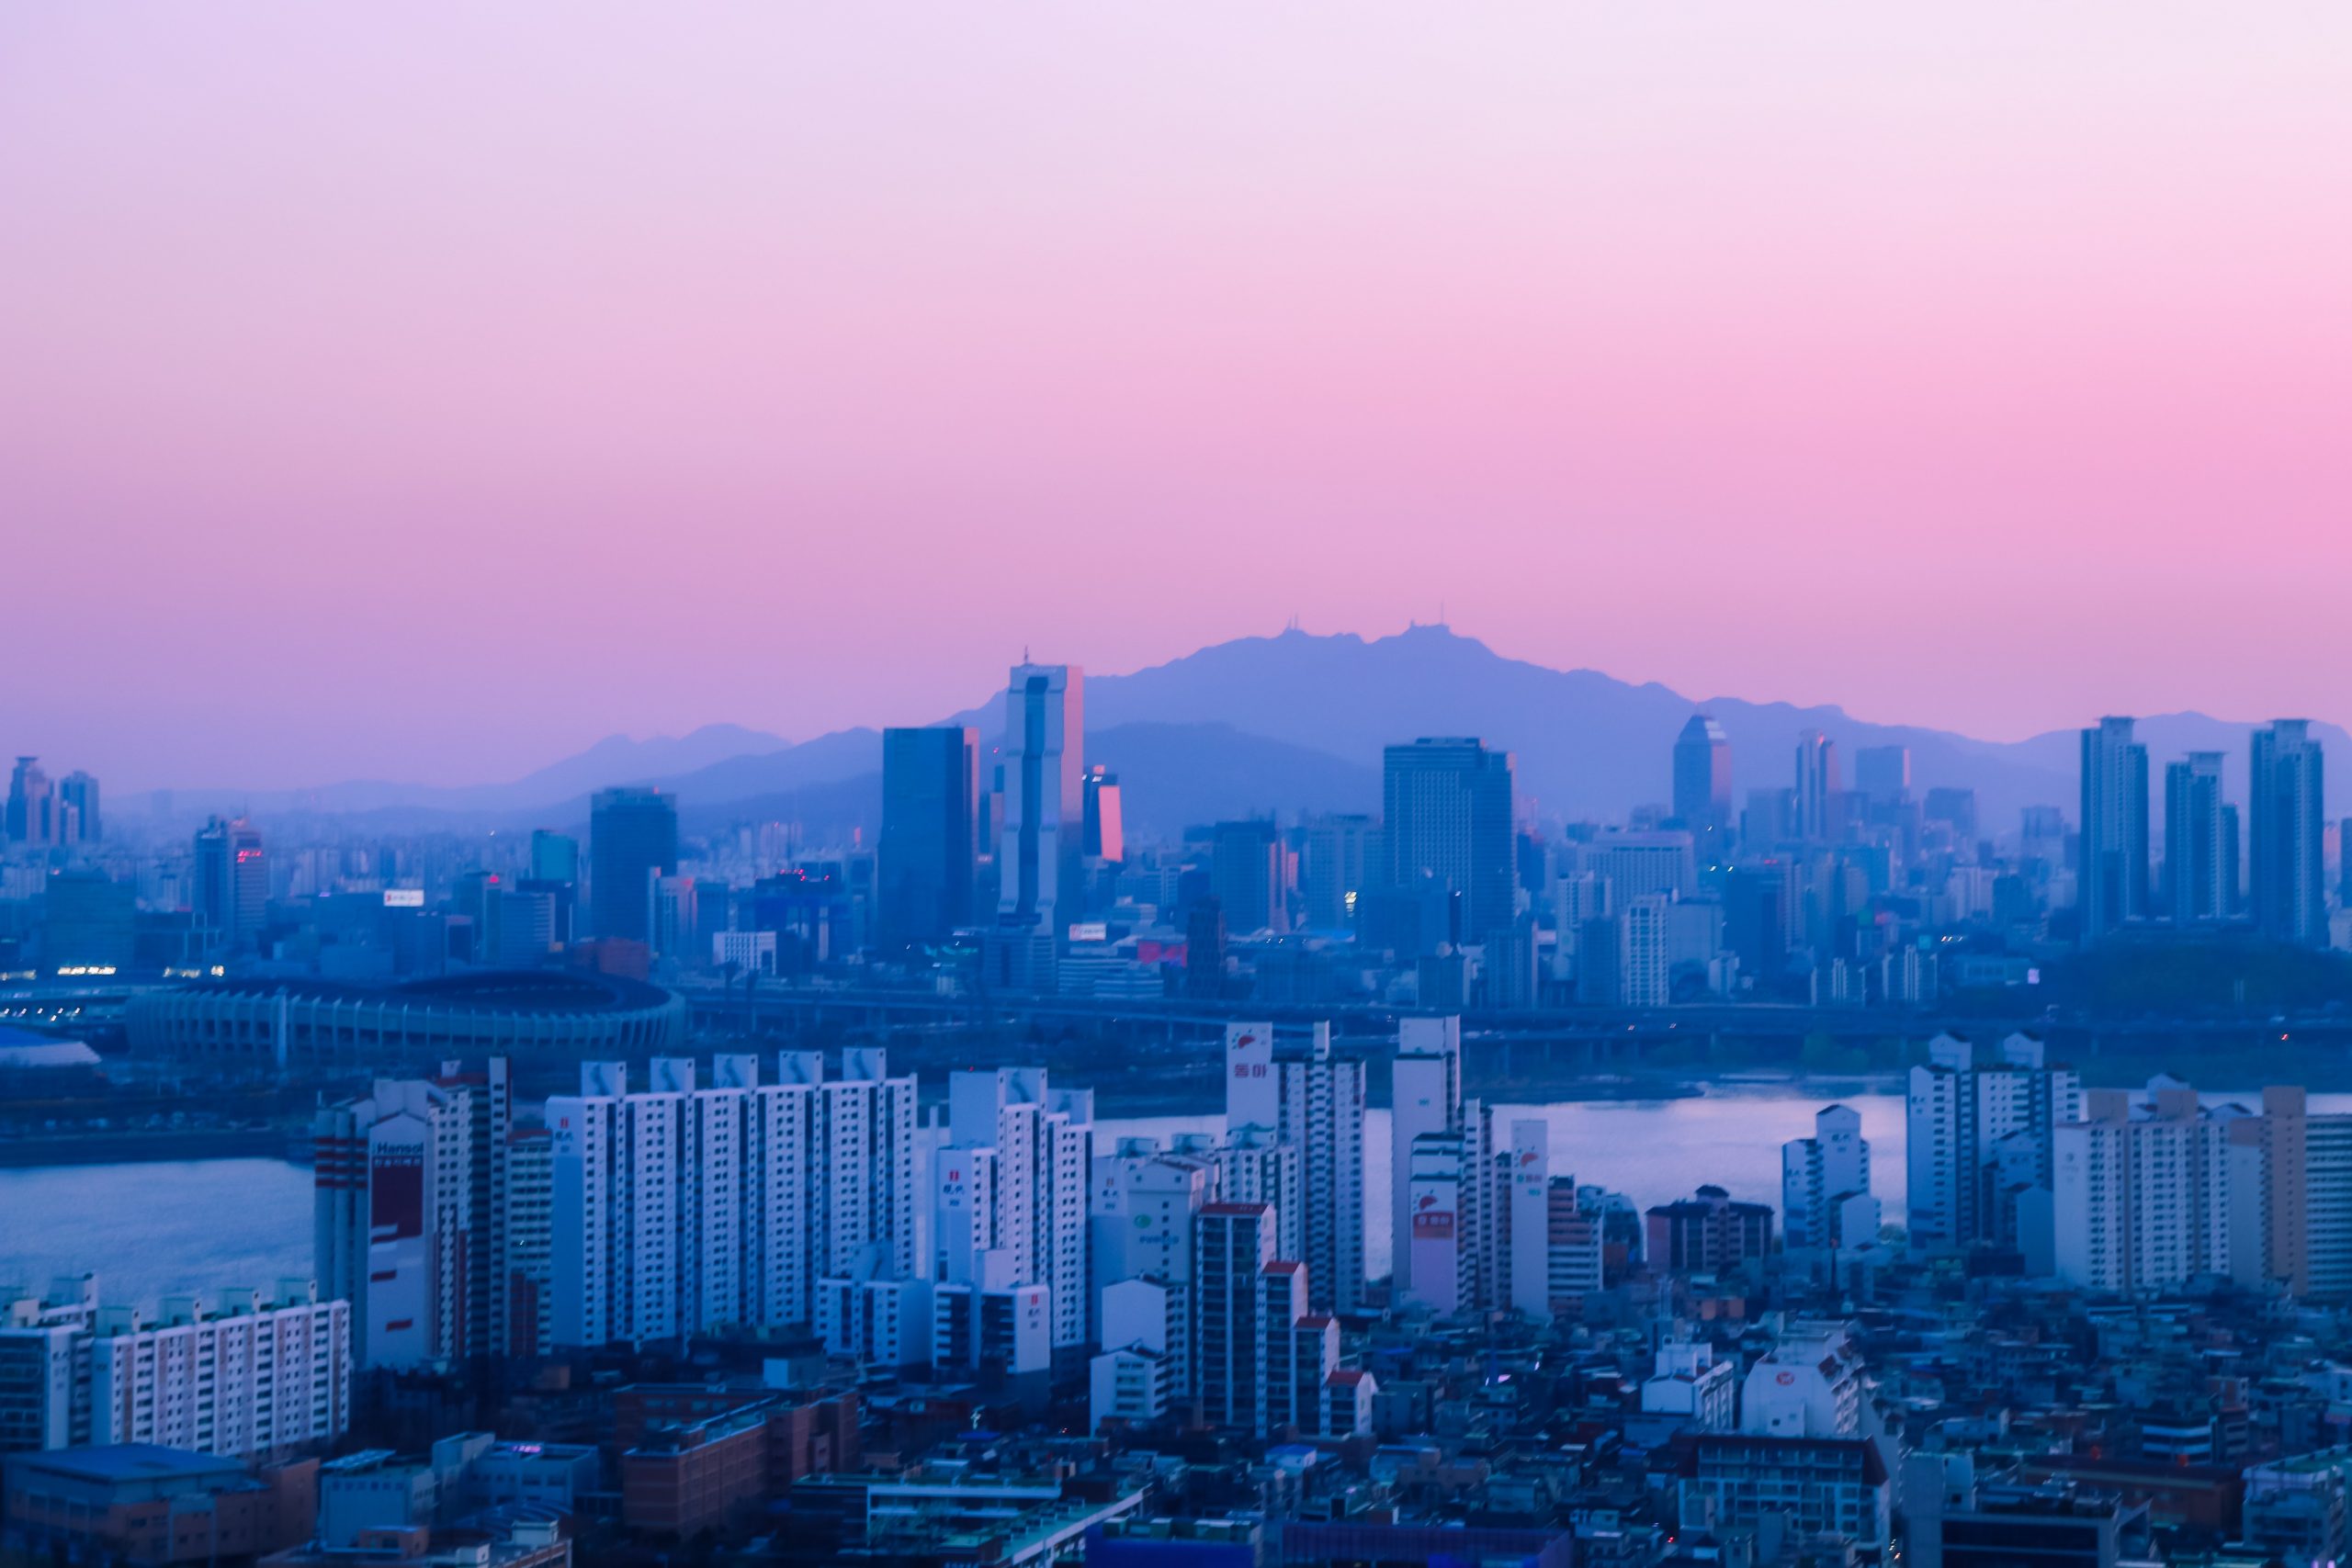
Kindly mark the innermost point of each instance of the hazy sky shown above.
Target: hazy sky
(423, 391)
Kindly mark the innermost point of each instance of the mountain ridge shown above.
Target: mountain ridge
(1584, 744)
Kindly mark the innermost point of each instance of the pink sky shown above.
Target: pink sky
(424, 391)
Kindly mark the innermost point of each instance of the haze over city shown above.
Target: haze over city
(1301, 785)
(427, 403)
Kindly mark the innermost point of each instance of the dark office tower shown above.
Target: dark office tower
(79, 796)
(88, 922)
(926, 856)
(1246, 877)
(1204, 949)
(1449, 808)
(555, 857)
(1703, 776)
(31, 807)
(231, 883)
(1956, 807)
(1882, 774)
(1106, 835)
(2112, 876)
(1816, 787)
(2289, 900)
(2343, 840)
(1337, 868)
(1039, 861)
(1770, 820)
(2195, 858)
(632, 839)
(1756, 919)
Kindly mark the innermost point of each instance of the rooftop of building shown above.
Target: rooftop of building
(111, 1462)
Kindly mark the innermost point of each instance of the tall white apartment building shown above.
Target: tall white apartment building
(683, 1207)
(1980, 1125)
(1454, 1237)
(401, 1224)
(1646, 955)
(2141, 1200)
(1311, 1099)
(1528, 1212)
(1819, 1173)
(1012, 1179)
(1428, 1100)
(261, 1379)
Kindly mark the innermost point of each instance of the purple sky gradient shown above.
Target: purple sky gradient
(423, 392)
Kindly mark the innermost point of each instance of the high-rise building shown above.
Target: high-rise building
(32, 805)
(927, 857)
(264, 1379)
(1703, 777)
(1012, 1182)
(1448, 825)
(1246, 875)
(632, 839)
(1234, 1244)
(405, 1211)
(88, 922)
(77, 795)
(2112, 879)
(2285, 796)
(1882, 774)
(1956, 809)
(555, 857)
(2195, 855)
(1038, 858)
(1426, 1098)
(1104, 839)
(1339, 865)
(1819, 1175)
(1312, 1099)
(685, 1207)
(1978, 1134)
(230, 883)
(1815, 799)
(2140, 1196)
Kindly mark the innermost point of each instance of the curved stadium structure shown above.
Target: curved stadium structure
(513, 1012)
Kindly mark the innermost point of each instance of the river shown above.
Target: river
(157, 1229)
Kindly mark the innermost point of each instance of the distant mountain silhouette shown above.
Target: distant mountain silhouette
(1297, 723)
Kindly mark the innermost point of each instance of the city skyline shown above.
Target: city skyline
(2010, 289)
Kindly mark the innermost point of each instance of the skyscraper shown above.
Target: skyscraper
(1246, 875)
(632, 838)
(1448, 805)
(926, 859)
(2112, 880)
(2196, 853)
(31, 804)
(1816, 787)
(1106, 834)
(1044, 746)
(1882, 774)
(1341, 854)
(2290, 899)
(1703, 776)
(555, 857)
(231, 883)
(78, 798)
